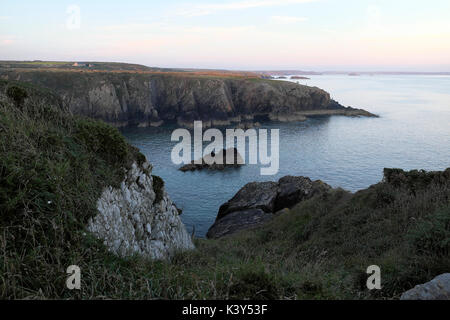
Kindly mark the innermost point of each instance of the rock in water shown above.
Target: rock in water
(257, 202)
(207, 162)
(139, 218)
(436, 289)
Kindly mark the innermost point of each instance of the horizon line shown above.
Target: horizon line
(256, 70)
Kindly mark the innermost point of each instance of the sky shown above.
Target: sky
(356, 35)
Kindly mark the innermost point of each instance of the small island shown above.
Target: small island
(210, 161)
(299, 78)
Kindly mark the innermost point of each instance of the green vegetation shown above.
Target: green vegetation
(46, 63)
(69, 65)
(17, 94)
(158, 185)
(53, 167)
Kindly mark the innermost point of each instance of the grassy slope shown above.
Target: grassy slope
(117, 67)
(319, 249)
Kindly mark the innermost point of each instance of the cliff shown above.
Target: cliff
(150, 99)
(134, 219)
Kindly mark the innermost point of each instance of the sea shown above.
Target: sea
(411, 132)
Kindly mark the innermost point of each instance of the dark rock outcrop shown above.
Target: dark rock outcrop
(254, 195)
(207, 162)
(239, 220)
(149, 99)
(257, 202)
(292, 190)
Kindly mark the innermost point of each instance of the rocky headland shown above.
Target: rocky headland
(146, 98)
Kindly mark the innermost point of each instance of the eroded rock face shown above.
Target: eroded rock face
(132, 221)
(257, 202)
(436, 289)
(133, 99)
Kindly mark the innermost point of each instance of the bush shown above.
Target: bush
(103, 139)
(158, 188)
(17, 94)
(431, 235)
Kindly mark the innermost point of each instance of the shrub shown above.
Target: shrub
(158, 188)
(104, 140)
(17, 94)
(431, 235)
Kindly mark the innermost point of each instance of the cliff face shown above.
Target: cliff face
(139, 99)
(134, 219)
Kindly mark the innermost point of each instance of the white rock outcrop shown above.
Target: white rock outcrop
(131, 220)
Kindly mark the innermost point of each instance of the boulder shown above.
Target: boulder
(207, 162)
(292, 190)
(239, 220)
(254, 195)
(258, 202)
(436, 289)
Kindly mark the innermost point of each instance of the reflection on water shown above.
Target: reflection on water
(412, 132)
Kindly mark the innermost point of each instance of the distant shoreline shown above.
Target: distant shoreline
(362, 73)
(123, 66)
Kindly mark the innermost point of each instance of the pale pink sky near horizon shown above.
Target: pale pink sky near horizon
(369, 35)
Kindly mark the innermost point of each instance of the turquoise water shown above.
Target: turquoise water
(413, 132)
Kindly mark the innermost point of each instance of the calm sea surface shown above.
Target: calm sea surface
(413, 132)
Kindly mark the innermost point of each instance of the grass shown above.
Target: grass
(45, 62)
(117, 67)
(53, 167)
